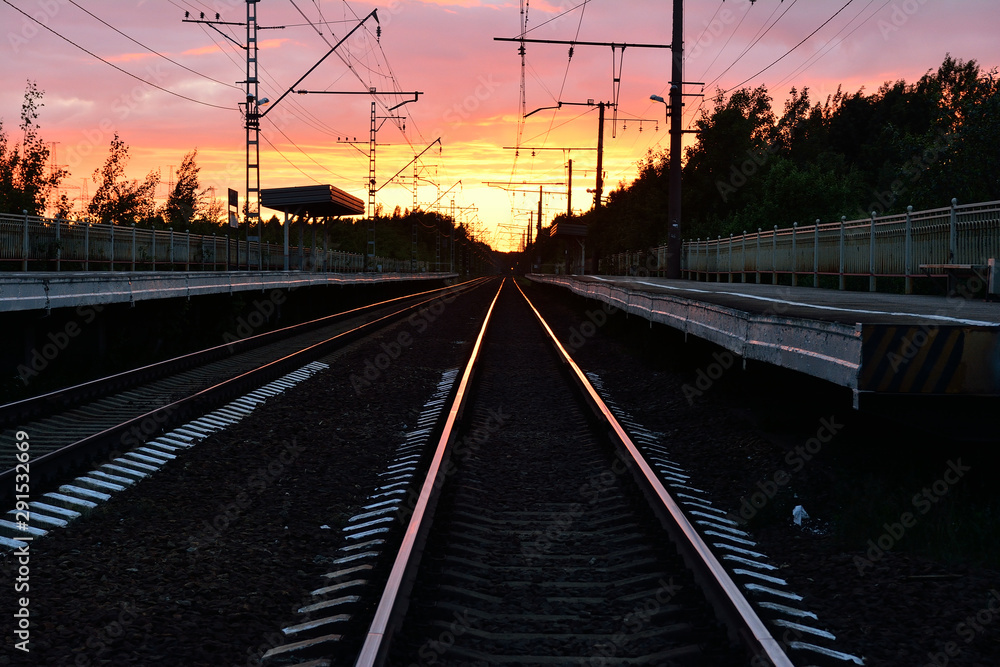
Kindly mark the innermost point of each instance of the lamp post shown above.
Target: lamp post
(672, 269)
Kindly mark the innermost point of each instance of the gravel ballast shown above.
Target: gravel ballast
(735, 430)
(204, 562)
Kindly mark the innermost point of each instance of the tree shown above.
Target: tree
(117, 199)
(184, 201)
(24, 181)
(64, 207)
(906, 144)
(214, 212)
(735, 143)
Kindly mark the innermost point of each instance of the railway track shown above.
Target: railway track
(535, 534)
(543, 549)
(74, 426)
(518, 523)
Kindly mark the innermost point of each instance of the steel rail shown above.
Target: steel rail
(391, 606)
(52, 463)
(726, 596)
(729, 602)
(67, 397)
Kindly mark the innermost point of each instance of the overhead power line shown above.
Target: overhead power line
(110, 64)
(150, 49)
(352, 66)
(276, 150)
(756, 38)
(789, 51)
(301, 150)
(557, 16)
(833, 44)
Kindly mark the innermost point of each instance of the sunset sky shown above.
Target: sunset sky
(470, 85)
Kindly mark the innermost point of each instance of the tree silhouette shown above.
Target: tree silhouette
(24, 181)
(184, 201)
(118, 199)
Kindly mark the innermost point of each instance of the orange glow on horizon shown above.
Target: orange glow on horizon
(470, 86)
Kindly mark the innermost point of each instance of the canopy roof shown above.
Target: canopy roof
(568, 229)
(313, 201)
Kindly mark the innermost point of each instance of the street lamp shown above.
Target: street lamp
(657, 98)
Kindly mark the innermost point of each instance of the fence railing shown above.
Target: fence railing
(940, 240)
(30, 243)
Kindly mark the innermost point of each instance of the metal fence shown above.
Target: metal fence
(30, 243)
(935, 242)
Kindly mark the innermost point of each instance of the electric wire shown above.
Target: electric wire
(395, 87)
(367, 67)
(805, 65)
(541, 83)
(346, 61)
(832, 45)
(701, 102)
(728, 39)
(301, 150)
(707, 25)
(557, 16)
(522, 100)
(569, 62)
(583, 7)
(319, 10)
(756, 38)
(150, 49)
(112, 65)
(215, 40)
(303, 25)
(302, 113)
(789, 51)
(297, 168)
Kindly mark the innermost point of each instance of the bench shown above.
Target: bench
(987, 273)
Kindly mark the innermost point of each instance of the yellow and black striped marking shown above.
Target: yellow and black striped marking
(929, 359)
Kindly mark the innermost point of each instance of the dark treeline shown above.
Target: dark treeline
(918, 144)
(29, 184)
(393, 236)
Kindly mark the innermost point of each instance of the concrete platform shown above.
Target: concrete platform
(868, 342)
(48, 290)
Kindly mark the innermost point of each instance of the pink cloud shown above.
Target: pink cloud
(471, 84)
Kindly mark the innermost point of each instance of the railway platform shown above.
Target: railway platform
(50, 290)
(871, 343)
